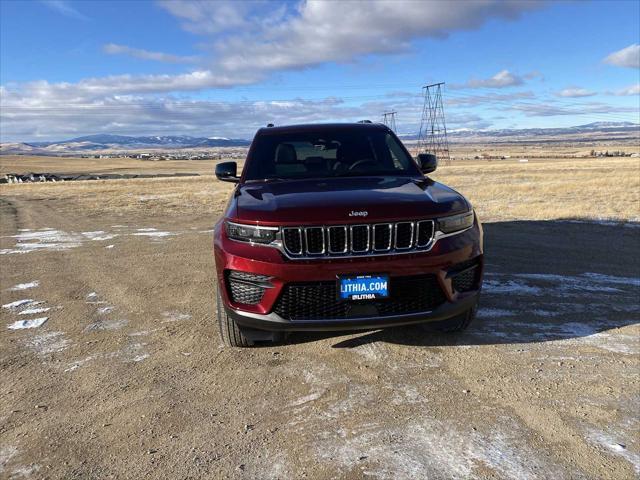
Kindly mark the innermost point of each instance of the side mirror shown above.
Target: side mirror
(428, 162)
(226, 171)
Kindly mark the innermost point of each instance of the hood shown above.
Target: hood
(346, 200)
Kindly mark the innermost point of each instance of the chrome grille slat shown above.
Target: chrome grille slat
(399, 235)
(334, 235)
(359, 239)
(424, 233)
(386, 246)
(314, 239)
(356, 235)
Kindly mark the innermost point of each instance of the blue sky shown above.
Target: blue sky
(222, 68)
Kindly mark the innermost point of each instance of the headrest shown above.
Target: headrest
(286, 153)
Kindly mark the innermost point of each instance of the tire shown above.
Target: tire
(460, 322)
(230, 334)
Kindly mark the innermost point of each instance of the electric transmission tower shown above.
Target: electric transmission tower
(389, 119)
(433, 130)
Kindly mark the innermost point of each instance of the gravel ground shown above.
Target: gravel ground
(126, 377)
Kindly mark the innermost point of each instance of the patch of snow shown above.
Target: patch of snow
(18, 303)
(154, 234)
(25, 286)
(78, 363)
(146, 229)
(105, 310)
(109, 246)
(613, 444)
(106, 325)
(34, 311)
(6, 454)
(25, 471)
(494, 313)
(175, 316)
(430, 448)
(91, 296)
(99, 235)
(569, 282)
(47, 343)
(139, 358)
(44, 239)
(32, 323)
(613, 279)
(509, 286)
(306, 399)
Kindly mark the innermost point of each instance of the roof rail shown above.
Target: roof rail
(269, 125)
(365, 121)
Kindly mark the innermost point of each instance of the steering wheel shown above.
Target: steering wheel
(364, 161)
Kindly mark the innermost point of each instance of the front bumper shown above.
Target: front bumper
(273, 322)
(445, 255)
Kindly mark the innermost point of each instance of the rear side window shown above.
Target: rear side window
(328, 154)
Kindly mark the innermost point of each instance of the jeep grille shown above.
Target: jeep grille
(361, 239)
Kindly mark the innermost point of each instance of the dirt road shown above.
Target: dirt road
(127, 378)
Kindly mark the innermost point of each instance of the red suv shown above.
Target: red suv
(336, 227)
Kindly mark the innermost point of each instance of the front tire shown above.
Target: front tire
(230, 334)
(460, 322)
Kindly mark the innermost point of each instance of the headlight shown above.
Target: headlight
(251, 233)
(455, 222)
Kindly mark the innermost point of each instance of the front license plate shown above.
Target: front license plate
(363, 287)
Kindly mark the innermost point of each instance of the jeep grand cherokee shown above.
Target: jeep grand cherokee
(336, 227)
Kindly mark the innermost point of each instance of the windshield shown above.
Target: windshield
(328, 154)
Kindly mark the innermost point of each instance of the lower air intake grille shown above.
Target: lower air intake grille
(318, 300)
(246, 288)
(467, 277)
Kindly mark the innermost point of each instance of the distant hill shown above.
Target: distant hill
(602, 128)
(107, 141)
(104, 143)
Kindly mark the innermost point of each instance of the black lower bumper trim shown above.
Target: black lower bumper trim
(273, 322)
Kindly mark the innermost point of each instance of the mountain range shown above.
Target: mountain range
(107, 142)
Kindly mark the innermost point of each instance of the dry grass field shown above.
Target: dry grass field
(603, 189)
(126, 377)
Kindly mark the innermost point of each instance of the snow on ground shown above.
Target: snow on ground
(47, 342)
(175, 316)
(44, 239)
(99, 235)
(34, 311)
(154, 234)
(106, 325)
(18, 303)
(49, 239)
(25, 286)
(32, 323)
(616, 445)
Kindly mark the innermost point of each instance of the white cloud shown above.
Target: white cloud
(63, 7)
(115, 49)
(575, 92)
(316, 31)
(630, 90)
(627, 57)
(90, 89)
(502, 79)
(455, 99)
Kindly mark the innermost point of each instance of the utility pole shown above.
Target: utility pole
(389, 119)
(433, 130)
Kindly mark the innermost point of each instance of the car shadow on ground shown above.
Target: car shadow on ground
(544, 281)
